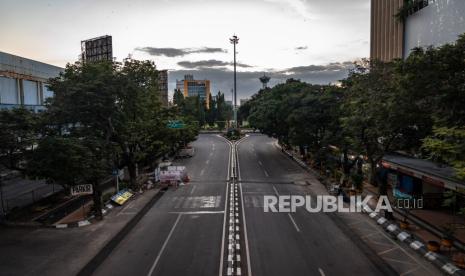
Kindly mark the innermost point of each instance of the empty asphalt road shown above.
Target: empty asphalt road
(182, 233)
(185, 232)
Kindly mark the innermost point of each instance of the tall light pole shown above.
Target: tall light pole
(234, 40)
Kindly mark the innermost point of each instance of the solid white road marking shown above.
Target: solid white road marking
(290, 217)
(164, 246)
(322, 273)
(293, 222)
(193, 189)
(249, 266)
(276, 191)
(225, 207)
(266, 173)
(198, 212)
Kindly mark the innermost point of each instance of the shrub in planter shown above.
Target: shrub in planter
(433, 246)
(357, 180)
(448, 235)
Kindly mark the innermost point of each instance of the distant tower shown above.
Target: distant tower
(264, 80)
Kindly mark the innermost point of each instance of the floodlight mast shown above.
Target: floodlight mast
(234, 40)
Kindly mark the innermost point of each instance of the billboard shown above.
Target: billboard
(95, 49)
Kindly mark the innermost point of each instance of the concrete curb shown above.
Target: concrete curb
(93, 264)
(394, 230)
(82, 223)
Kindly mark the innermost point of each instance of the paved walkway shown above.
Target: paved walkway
(437, 218)
(45, 251)
(399, 257)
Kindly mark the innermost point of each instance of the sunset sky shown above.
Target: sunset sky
(314, 40)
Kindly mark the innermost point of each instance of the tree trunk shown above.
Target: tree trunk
(302, 152)
(97, 197)
(132, 174)
(345, 167)
(373, 173)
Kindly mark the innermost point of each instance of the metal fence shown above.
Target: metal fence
(29, 197)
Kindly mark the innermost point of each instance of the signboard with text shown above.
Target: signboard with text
(83, 189)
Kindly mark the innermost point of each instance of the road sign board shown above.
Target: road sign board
(83, 189)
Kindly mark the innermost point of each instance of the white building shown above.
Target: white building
(437, 22)
(429, 23)
(23, 82)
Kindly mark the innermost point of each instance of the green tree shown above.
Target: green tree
(178, 98)
(379, 114)
(17, 136)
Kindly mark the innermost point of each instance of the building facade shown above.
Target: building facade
(434, 23)
(23, 82)
(424, 23)
(387, 33)
(191, 87)
(163, 86)
(427, 23)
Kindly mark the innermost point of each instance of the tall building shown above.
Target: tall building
(426, 23)
(23, 82)
(387, 33)
(191, 87)
(163, 86)
(98, 48)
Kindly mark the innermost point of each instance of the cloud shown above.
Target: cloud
(209, 64)
(335, 66)
(179, 52)
(301, 48)
(248, 82)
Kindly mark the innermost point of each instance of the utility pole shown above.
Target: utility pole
(234, 40)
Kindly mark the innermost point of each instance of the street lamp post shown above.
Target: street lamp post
(234, 40)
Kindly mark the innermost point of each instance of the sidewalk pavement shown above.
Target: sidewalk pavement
(436, 218)
(429, 226)
(391, 244)
(49, 251)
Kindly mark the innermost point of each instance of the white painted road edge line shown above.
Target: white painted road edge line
(293, 222)
(322, 273)
(164, 246)
(290, 217)
(192, 190)
(225, 210)
(249, 266)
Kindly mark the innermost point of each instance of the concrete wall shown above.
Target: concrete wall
(439, 23)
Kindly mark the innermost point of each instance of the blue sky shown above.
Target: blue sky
(311, 39)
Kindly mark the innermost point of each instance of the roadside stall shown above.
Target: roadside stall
(173, 175)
